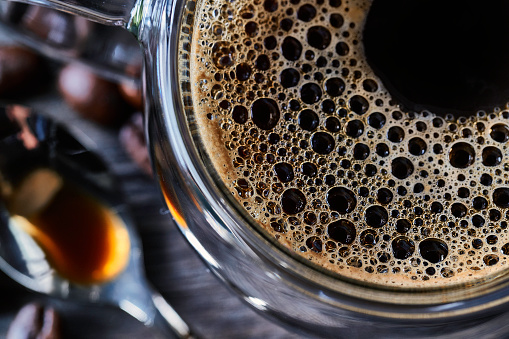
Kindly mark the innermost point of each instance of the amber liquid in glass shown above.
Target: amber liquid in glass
(84, 240)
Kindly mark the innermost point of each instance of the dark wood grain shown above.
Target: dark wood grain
(172, 266)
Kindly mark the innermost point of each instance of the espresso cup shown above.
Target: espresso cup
(340, 167)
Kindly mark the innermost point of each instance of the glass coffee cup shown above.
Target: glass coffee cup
(352, 255)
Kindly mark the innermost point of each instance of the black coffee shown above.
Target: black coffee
(327, 147)
(443, 56)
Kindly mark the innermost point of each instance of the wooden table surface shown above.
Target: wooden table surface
(172, 266)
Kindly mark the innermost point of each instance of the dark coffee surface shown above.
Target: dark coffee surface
(373, 176)
(444, 56)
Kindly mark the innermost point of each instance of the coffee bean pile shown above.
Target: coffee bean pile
(332, 166)
(107, 103)
(112, 102)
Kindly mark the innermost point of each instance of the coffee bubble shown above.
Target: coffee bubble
(402, 248)
(318, 37)
(462, 155)
(342, 231)
(500, 133)
(368, 238)
(292, 48)
(341, 199)
(501, 197)
(433, 250)
(402, 168)
(322, 143)
(376, 216)
(491, 156)
(376, 120)
(306, 12)
(293, 201)
(310, 93)
(223, 54)
(265, 113)
(334, 87)
(361, 151)
(289, 77)
(354, 128)
(284, 172)
(308, 120)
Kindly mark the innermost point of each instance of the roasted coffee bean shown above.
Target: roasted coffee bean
(21, 71)
(132, 138)
(34, 322)
(132, 93)
(56, 28)
(93, 97)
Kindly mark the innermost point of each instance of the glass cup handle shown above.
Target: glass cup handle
(107, 12)
(49, 27)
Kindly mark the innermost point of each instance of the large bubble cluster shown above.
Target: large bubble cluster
(329, 163)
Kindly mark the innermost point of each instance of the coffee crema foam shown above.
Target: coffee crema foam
(316, 150)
